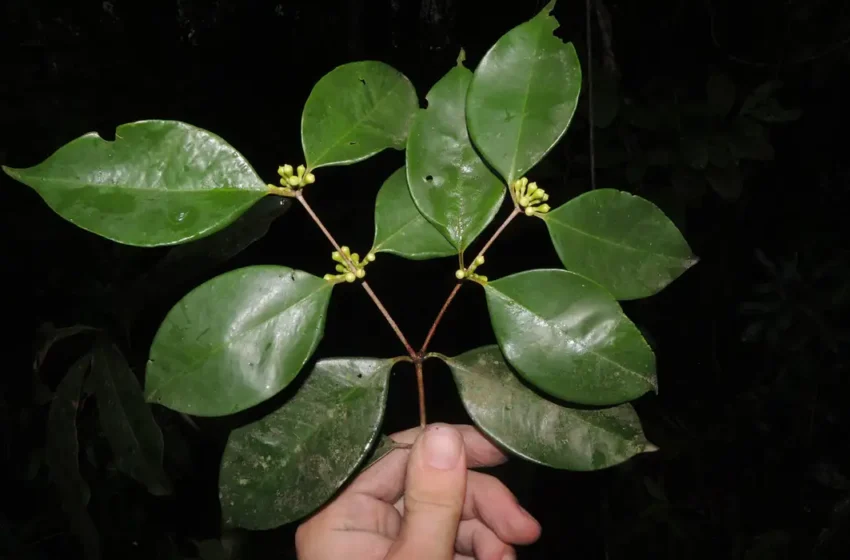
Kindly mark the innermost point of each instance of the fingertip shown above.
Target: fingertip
(525, 528)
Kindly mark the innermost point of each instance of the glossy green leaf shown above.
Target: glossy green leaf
(236, 340)
(355, 111)
(536, 428)
(568, 336)
(449, 182)
(399, 227)
(62, 456)
(721, 94)
(127, 420)
(523, 96)
(158, 183)
(288, 464)
(619, 240)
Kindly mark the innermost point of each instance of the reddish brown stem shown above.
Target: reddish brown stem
(389, 319)
(439, 318)
(420, 385)
(516, 212)
(378, 304)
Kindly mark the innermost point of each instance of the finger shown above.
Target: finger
(490, 501)
(336, 533)
(435, 487)
(385, 479)
(476, 539)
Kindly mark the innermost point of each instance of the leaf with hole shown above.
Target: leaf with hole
(538, 429)
(355, 111)
(288, 464)
(621, 241)
(523, 96)
(568, 336)
(158, 183)
(62, 455)
(236, 340)
(449, 182)
(127, 420)
(399, 227)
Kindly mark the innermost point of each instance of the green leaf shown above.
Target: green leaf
(759, 95)
(158, 183)
(399, 227)
(450, 184)
(621, 241)
(49, 335)
(236, 340)
(537, 429)
(568, 336)
(523, 96)
(288, 464)
(62, 456)
(721, 94)
(127, 421)
(355, 111)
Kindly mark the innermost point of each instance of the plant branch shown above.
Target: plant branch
(516, 211)
(439, 318)
(300, 197)
(420, 385)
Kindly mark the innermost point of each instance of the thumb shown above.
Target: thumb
(435, 489)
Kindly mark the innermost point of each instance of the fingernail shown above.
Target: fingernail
(509, 555)
(442, 448)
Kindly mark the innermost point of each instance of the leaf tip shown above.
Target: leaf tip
(650, 447)
(461, 57)
(10, 171)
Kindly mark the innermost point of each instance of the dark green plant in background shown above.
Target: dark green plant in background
(242, 337)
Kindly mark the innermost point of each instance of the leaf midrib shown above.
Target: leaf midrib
(83, 185)
(220, 347)
(570, 412)
(358, 122)
(611, 242)
(512, 169)
(570, 337)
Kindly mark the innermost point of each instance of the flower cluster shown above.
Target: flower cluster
(346, 261)
(529, 197)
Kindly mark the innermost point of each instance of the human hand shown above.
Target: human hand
(422, 504)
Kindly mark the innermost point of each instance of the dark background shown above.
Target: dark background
(752, 415)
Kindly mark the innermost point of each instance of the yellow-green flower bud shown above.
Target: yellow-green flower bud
(545, 197)
(360, 273)
(531, 188)
(285, 171)
(523, 201)
(482, 278)
(350, 277)
(355, 258)
(479, 260)
(301, 170)
(337, 257)
(529, 211)
(293, 181)
(346, 250)
(309, 179)
(370, 257)
(543, 208)
(460, 274)
(328, 277)
(340, 268)
(538, 194)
